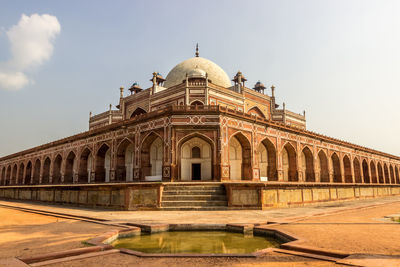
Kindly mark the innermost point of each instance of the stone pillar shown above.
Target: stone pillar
(63, 166)
(317, 171)
(23, 176)
(51, 171)
(361, 171)
(17, 175)
(41, 170)
(342, 168)
(330, 167)
(353, 178)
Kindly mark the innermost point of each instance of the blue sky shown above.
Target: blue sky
(338, 60)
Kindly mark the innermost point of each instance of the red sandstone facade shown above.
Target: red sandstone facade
(219, 132)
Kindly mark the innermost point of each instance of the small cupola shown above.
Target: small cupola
(259, 87)
(135, 88)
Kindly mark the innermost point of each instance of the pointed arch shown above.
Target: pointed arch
(21, 173)
(365, 170)
(8, 175)
(337, 173)
(3, 176)
(267, 160)
(348, 177)
(152, 154)
(397, 174)
(386, 173)
(185, 159)
(240, 157)
(374, 178)
(195, 157)
(70, 162)
(256, 111)
(289, 163)
(197, 103)
(85, 166)
(307, 161)
(392, 178)
(125, 158)
(28, 173)
(14, 174)
(57, 163)
(380, 173)
(103, 164)
(46, 171)
(323, 166)
(357, 170)
(136, 112)
(36, 172)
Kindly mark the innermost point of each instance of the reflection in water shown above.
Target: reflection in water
(206, 242)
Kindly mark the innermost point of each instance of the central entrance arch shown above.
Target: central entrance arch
(196, 159)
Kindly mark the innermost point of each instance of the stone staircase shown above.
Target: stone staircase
(194, 197)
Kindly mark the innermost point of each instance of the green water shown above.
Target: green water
(205, 242)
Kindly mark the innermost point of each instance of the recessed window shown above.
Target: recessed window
(196, 152)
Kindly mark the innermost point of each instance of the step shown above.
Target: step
(193, 197)
(193, 208)
(191, 192)
(194, 187)
(198, 203)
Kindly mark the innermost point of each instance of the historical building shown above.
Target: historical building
(197, 124)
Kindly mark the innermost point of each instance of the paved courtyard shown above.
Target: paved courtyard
(348, 227)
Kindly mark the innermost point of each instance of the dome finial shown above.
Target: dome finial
(197, 50)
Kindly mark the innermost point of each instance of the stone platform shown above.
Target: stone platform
(196, 195)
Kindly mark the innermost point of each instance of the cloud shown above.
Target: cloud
(13, 80)
(31, 45)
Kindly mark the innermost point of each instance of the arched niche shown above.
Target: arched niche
(256, 111)
(322, 166)
(289, 163)
(21, 173)
(386, 171)
(103, 164)
(392, 178)
(36, 172)
(357, 170)
(337, 174)
(57, 169)
(28, 173)
(46, 171)
(307, 161)
(380, 173)
(266, 155)
(138, 111)
(85, 166)
(70, 162)
(374, 178)
(239, 157)
(348, 178)
(125, 158)
(151, 157)
(14, 174)
(366, 173)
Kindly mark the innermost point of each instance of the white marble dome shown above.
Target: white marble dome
(215, 73)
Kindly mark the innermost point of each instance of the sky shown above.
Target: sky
(338, 60)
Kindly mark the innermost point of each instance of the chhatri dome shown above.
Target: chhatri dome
(196, 65)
